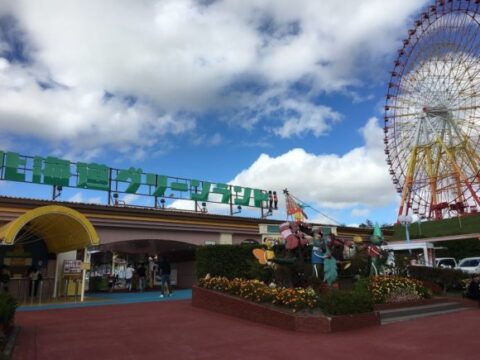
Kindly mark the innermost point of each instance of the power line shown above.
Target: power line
(305, 205)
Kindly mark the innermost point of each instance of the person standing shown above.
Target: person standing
(4, 278)
(128, 276)
(165, 270)
(152, 270)
(142, 277)
(35, 277)
(473, 290)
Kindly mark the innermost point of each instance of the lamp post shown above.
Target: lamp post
(239, 210)
(406, 220)
(57, 191)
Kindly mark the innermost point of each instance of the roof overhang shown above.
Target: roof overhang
(440, 238)
(62, 229)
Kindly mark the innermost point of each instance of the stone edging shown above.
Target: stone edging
(9, 346)
(247, 310)
(405, 304)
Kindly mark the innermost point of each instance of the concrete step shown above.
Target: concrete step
(408, 313)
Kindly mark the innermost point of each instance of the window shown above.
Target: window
(447, 263)
(470, 263)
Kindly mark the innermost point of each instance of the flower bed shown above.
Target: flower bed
(256, 291)
(214, 300)
(404, 304)
(396, 289)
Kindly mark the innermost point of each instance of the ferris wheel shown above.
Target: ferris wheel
(432, 113)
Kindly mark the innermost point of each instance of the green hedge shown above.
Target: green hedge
(446, 278)
(454, 226)
(340, 302)
(458, 249)
(230, 261)
(98, 283)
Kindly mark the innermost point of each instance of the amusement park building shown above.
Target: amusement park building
(62, 227)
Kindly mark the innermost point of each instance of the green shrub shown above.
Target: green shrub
(346, 302)
(230, 261)
(458, 249)
(446, 278)
(359, 265)
(98, 283)
(8, 306)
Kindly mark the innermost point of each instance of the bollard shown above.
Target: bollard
(32, 291)
(66, 289)
(76, 291)
(24, 287)
(40, 290)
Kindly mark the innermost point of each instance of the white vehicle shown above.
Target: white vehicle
(470, 265)
(446, 262)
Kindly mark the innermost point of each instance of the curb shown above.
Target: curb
(8, 351)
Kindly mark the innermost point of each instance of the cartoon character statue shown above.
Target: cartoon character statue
(330, 272)
(293, 233)
(375, 253)
(265, 256)
(319, 251)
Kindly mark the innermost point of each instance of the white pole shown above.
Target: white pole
(84, 273)
(425, 256)
(57, 271)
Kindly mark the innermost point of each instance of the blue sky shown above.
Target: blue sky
(270, 94)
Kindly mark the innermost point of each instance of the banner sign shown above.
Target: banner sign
(72, 266)
(58, 172)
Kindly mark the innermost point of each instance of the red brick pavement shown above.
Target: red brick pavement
(176, 330)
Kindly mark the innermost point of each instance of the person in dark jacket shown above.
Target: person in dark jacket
(164, 270)
(473, 290)
(142, 277)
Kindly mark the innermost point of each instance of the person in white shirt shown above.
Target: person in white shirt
(128, 276)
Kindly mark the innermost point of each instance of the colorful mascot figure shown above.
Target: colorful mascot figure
(337, 254)
(328, 250)
(376, 254)
(319, 251)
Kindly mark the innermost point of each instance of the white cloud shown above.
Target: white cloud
(78, 197)
(208, 140)
(130, 198)
(360, 212)
(85, 119)
(179, 56)
(215, 139)
(307, 117)
(357, 181)
(287, 114)
(189, 205)
(357, 178)
(4, 143)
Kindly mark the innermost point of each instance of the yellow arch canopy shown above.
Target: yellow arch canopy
(62, 229)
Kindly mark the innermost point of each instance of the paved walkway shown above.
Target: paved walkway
(102, 299)
(176, 330)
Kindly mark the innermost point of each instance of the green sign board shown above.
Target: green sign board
(58, 172)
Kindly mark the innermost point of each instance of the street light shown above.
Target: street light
(406, 220)
(239, 210)
(57, 191)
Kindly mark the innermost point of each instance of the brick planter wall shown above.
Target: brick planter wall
(247, 310)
